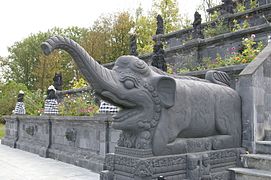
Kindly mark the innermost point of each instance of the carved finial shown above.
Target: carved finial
(133, 45)
(160, 25)
(58, 81)
(197, 33)
(158, 57)
(227, 7)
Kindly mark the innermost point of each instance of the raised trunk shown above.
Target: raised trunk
(98, 76)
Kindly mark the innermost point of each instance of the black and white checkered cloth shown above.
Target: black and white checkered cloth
(19, 108)
(51, 107)
(108, 108)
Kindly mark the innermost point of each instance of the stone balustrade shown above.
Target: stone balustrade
(82, 141)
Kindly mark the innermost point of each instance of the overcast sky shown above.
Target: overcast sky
(20, 18)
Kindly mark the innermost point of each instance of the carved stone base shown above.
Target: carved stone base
(193, 166)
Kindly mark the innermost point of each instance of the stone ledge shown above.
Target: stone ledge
(257, 161)
(251, 172)
(233, 69)
(263, 147)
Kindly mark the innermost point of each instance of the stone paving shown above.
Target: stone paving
(20, 165)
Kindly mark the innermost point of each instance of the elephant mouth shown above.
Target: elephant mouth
(124, 114)
(127, 108)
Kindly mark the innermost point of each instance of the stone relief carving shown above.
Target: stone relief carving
(143, 169)
(160, 112)
(30, 130)
(71, 134)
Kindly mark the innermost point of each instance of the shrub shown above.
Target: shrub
(82, 105)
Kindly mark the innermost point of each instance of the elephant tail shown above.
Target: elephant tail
(218, 77)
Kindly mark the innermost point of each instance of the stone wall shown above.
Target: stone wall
(82, 141)
(183, 51)
(254, 87)
(193, 52)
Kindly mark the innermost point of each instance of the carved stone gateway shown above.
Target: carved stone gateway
(163, 118)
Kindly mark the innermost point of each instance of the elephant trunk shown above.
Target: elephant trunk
(98, 76)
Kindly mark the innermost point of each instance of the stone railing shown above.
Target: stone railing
(193, 52)
(82, 141)
(255, 17)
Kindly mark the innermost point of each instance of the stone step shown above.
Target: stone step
(257, 161)
(249, 174)
(263, 147)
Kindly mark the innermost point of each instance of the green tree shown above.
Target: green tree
(120, 39)
(169, 11)
(98, 39)
(26, 59)
(204, 5)
(24, 55)
(45, 70)
(145, 26)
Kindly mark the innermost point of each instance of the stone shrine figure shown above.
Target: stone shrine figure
(205, 167)
(133, 45)
(193, 167)
(51, 104)
(20, 107)
(160, 25)
(197, 32)
(227, 7)
(158, 57)
(58, 81)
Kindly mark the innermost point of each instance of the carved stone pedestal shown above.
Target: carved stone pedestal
(128, 164)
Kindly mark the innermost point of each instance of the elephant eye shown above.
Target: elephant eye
(129, 84)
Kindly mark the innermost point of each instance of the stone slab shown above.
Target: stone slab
(250, 174)
(257, 161)
(263, 147)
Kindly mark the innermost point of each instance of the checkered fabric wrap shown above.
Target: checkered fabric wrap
(19, 108)
(51, 106)
(108, 108)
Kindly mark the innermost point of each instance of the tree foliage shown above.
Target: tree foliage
(106, 40)
(204, 5)
(8, 97)
(169, 11)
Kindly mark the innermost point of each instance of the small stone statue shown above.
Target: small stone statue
(20, 108)
(133, 45)
(193, 167)
(51, 104)
(158, 57)
(58, 81)
(227, 7)
(160, 25)
(197, 33)
(205, 168)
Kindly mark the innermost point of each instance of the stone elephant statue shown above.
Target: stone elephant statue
(167, 114)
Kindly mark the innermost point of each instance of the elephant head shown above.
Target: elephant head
(131, 85)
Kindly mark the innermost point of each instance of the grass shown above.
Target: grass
(2, 131)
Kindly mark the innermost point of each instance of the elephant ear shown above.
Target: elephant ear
(166, 88)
